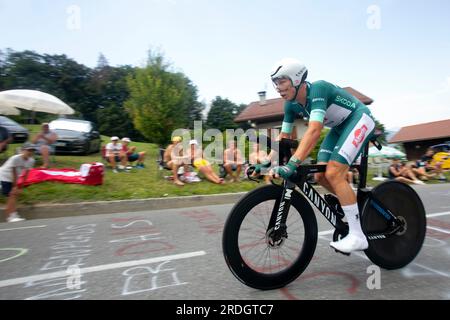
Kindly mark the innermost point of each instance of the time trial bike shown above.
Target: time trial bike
(270, 235)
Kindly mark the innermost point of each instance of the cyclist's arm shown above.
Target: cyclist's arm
(316, 120)
(288, 123)
(309, 140)
(284, 135)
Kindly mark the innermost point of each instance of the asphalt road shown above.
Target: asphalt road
(176, 254)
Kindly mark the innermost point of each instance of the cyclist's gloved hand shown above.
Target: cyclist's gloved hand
(287, 170)
(260, 166)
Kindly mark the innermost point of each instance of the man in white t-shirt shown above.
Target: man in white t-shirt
(9, 175)
(115, 155)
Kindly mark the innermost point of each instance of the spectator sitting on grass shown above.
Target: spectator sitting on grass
(174, 159)
(425, 170)
(259, 156)
(5, 139)
(115, 155)
(232, 161)
(44, 141)
(201, 164)
(9, 175)
(131, 154)
(399, 172)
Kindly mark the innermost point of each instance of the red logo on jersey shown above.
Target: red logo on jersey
(360, 134)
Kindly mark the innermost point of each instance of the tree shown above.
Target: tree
(69, 80)
(222, 113)
(116, 122)
(54, 74)
(2, 69)
(159, 99)
(195, 107)
(380, 129)
(102, 62)
(109, 94)
(99, 94)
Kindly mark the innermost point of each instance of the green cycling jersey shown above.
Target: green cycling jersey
(325, 103)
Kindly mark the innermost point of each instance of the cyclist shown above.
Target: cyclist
(351, 126)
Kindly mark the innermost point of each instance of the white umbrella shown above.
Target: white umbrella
(9, 111)
(35, 101)
(386, 152)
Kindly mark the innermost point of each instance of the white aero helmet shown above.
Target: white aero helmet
(291, 69)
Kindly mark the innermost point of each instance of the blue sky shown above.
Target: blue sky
(228, 47)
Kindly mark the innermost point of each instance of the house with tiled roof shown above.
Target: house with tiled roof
(417, 138)
(268, 113)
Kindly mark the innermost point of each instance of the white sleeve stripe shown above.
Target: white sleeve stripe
(287, 127)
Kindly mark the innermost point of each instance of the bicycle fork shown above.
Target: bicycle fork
(276, 229)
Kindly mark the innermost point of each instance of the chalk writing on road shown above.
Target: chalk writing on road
(208, 221)
(140, 237)
(144, 279)
(353, 282)
(137, 237)
(70, 251)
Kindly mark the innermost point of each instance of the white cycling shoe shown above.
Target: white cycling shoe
(350, 243)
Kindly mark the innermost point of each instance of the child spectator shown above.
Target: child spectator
(9, 175)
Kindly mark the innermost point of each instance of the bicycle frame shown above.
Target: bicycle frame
(281, 208)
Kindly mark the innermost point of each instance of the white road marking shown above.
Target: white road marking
(22, 228)
(439, 229)
(441, 273)
(438, 214)
(104, 267)
(21, 251)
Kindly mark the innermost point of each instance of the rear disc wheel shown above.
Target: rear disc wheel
(399, 249)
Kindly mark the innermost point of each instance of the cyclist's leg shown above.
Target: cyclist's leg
(336, 175)
(354, 136)
(323, 156)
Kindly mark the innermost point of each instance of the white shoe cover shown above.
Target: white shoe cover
(351, 243)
